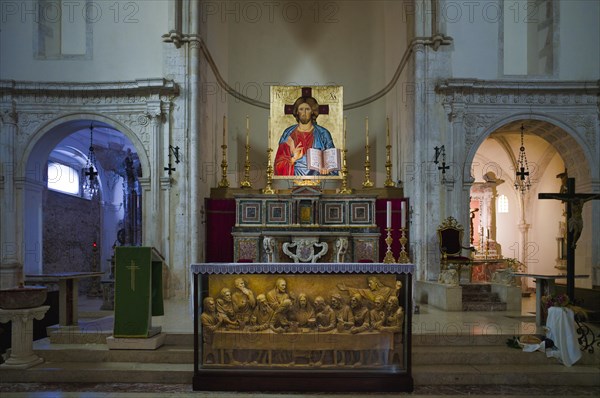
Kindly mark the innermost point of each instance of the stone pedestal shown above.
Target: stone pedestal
(21, 353)
(443, 296)
(108, 295)
(509, 294)
(152, 342)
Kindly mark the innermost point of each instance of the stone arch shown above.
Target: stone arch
(32, 173)
(567, 141)
(50, 134)
(571, 145)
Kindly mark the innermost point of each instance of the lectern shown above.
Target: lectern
(138, 291)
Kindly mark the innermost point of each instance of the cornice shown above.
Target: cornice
(141, 87)
(474, 85)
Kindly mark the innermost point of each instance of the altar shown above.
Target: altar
(305, 225)
(305, 343)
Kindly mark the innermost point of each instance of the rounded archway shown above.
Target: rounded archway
(59, 228)
(524, 227)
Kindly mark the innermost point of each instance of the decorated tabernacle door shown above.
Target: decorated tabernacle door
(302, 326)
(138, 291)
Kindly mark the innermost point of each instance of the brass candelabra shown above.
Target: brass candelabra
(246, 182)
(268, 189)
(345, 189)
(224, 183)
(367, 183)
(403, 256)
(388, 166)
(389, 256)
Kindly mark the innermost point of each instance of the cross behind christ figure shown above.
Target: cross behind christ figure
(575, 203)
(303, 147)
(306, 92)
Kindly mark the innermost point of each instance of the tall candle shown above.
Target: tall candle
(224, 130)
(269, 132)
(247, 131)
(387, 137)
(388, 214)
(367, 129)
(344, 136)
(403, 214)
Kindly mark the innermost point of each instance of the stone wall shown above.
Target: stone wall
(71, 225)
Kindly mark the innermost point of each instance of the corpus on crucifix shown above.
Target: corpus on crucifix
(575, 203)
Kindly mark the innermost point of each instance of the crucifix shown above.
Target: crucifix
(522, 174)
(441, 151)
(133, 268)
(575, 203)
(91, 173)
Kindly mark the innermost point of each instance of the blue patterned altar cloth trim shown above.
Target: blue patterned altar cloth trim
(301, 268)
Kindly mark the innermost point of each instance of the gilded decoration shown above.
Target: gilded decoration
(306, 133)
(307, 321)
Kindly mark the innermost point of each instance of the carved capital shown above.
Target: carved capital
(154, 112)
(8, 115)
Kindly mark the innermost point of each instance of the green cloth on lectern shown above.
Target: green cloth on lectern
(157, 291)
(138, 290)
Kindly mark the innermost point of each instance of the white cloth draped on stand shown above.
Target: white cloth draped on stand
(562, 331)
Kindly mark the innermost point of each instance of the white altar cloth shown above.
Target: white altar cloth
(562, 331)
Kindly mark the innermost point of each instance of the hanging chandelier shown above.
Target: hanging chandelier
(522, 180)
(91, 185)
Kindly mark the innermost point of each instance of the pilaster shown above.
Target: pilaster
(9, 261)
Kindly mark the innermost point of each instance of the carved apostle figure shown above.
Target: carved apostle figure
(376, 288)
(362, 318)
(225, 308)
(343, 314)
(304, 312)
(243, 302)
(262, 314)
(277, 295)
(324, 317)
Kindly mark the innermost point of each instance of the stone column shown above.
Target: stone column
(10, 266)
(522, 255)
(154, 228)
(195, 198)
(21, 352)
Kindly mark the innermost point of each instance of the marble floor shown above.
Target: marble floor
(429, 322)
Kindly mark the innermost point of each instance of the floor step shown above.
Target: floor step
(167, 354)
(483, 306)
(101, 372)
(512, 374)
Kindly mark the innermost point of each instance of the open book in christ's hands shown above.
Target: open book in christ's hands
(324, 161)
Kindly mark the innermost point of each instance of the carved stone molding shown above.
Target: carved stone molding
(490, 92)
(134, 103)
(479, 104)
(8, 115)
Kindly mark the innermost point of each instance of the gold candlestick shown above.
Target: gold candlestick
(224, 183)
(268, 189)
(246, 182)
(344, 189)
(389, 256)
(367, 183)
(388, 158)
(403, 256)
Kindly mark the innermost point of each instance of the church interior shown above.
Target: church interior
(160, 186)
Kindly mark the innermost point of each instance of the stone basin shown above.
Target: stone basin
(22, 297)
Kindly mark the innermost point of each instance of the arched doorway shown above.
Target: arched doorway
(74, 232)
(522, 226)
